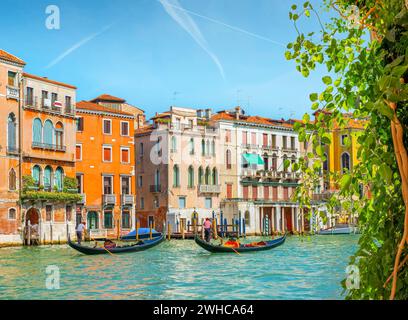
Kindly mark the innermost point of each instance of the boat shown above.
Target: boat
(144, 233)
(140, 246)
(242, 248)
(339, 229)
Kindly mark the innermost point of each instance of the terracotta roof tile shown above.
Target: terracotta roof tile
(108, 97)
(31, 76)
(144, 130)
(87, 105)
(9, 57)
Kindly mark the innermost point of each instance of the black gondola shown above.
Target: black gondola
(242, 248)
(140, 246)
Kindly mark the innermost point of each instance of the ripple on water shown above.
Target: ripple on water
(303, 268)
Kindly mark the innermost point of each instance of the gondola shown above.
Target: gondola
(242, 248)
(140, 246)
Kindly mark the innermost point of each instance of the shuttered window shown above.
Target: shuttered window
(37, 130)
(275, 193)
(266, 192)
(254, 192)
(107, 154)
(265, 139)
(48, 132)
(229, 191)
(245, 192)
(124, 128)
(78, 152)
(124, 155)
(107, 126)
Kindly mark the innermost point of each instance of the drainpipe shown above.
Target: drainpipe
(20, 145)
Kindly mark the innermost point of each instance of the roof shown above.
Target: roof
(91, 106)
(223, 115)
(9, 57)
(108, 97)
(144, 130)
(31, 76)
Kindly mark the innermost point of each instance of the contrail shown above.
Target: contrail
(77, 46)
(228, 25)
(188, 24)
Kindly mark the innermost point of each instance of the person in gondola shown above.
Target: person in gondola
(207, 229)
(232, 243)
(109, 244)
(79, 230)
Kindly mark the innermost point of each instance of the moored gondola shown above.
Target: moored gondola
(140, 246)
(242, 248)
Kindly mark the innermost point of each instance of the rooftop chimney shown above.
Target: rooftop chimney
(237, 112)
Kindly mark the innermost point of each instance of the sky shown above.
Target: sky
(157, 53)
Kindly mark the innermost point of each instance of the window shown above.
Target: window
(245, 192)
(54, 97)
(345, 162)
(227, 136)
(191, 146)
(12, 214)
(11, 132)
(29, 96)
(78, 152)
(124, 155)
(343, 139)
(285, 193)
(44, 99)
(190, 177)
(200, 176)
(156, 202)
(274, 193)
(68, 213)
(173, 144)
(253, 138)
(80, 124)
(125, 219)
(265, 139)
(58, 178)
(12, 77)
(107, 154)
(47, 178)
(141, 203)
(140, 181)
(182, 202)
(266, 192)
(228, 159)
(12, 180)
(176, 176)
(254, 192)
(141, 149)
(244, 137)
(274, 162)
(107, 126)
(59, 135)
(215, 177)
(48, 213)
(124, 128)
(229, 191)
(285, 142)
(125, 185)
(37, 131)
(107, 185)
(80, 178)
(157, 178)
(190, 123)
(266, 161)
(48, 132)
(292, 143)
(203, 147)
(273, 141)
(68, 103)
(213, 147)
(36, 173)
(326, 163)
(150, 221)
(208, 203)
(108, 219)
(207, 176)
(207, 148)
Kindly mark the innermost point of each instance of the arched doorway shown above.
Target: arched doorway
(32, 229)
(93, 220)
(33, 216)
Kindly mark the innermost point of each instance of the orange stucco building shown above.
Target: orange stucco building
(105, 167)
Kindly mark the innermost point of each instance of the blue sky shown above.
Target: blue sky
(213, 53)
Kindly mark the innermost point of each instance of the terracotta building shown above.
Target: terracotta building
(104, 167)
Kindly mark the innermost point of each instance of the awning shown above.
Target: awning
(253, 159)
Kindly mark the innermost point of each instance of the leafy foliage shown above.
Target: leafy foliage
(364, 77)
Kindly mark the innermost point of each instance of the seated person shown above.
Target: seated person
(109, 244)
(232, 243)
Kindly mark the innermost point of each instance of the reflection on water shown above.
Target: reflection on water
(302, 268)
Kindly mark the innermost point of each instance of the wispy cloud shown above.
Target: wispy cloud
(77, 45)
(235, 28)
(181, 16)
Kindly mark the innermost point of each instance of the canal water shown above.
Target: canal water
(302, 268)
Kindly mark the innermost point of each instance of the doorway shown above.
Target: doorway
(93, 220)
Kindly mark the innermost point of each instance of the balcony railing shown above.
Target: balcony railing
(205, 188)
(109, 199)
(12, 93)
(155, 188)
(291, 149)
(127, 199)
(270, 148)
(47, 146)
(12, 151)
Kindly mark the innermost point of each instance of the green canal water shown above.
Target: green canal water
(302, 268)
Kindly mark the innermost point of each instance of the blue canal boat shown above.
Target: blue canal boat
(339, 229)
(144, 233)
(251, 247)
(140, 246)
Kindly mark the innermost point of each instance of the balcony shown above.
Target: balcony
(205, 188)
(14, 151)
(270, 148)
(127, 199)
(83, 199)
(290, 150)
(109, 199)
(12, 93)
(47, 146)
(155, 188)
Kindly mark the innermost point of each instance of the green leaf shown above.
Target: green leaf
(327, 80)
(286, 163)
(320, 151)
(345, 182)
(313, 97)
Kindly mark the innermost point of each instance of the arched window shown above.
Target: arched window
(191, 146)
(207, 148)
(58, 178)
(59, 135)
(173, 144)
(345, 162)
(37, 130)
(213, 147)
(247, 218)
(48, 132)
(203, 147)
(11, 132)
(176, 176)
(214, 176)
(200, 175)
(266, 161)
(207, 176)
(285, 169)
(36, 174)
(274, 162)
(228, 159)
(326, 163)
(190, 176)
(47, 178)
(12, 180)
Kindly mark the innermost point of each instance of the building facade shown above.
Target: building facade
(104, 168)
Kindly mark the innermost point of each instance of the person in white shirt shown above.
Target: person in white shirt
(79, 230)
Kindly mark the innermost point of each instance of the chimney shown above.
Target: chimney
(237, 112)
